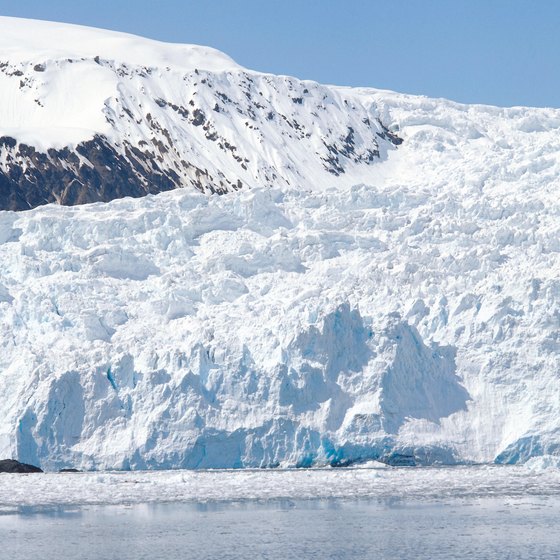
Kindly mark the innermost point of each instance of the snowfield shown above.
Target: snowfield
(53, 87)
(412, 318)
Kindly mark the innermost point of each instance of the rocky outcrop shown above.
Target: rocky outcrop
(13, 466)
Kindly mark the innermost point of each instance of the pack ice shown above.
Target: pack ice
(403, 310)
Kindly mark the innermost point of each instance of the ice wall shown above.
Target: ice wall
(275, 327)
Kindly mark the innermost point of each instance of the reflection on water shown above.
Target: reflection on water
(490, 529)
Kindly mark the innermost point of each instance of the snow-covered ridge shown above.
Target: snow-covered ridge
(76, 103)
(25, 40)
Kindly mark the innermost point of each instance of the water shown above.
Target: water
(497, 528)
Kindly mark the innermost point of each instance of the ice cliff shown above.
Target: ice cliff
(405, 310)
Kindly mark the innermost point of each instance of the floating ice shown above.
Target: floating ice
(394, 484)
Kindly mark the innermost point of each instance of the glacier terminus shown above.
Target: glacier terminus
(204, 266)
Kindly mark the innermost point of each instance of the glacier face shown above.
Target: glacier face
(405, 310)
(413, 321)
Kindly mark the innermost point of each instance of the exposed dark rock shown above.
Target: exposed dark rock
(388, 135)
(69, 471)
(8, 142)
(13, 466)
(199, 117)
(60, 176)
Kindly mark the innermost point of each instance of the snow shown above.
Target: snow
(35, 40)
(405, 310)
(55, 89)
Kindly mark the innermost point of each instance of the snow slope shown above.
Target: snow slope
(25, 40)
(89, 115)
(411, 317)
(55, 94)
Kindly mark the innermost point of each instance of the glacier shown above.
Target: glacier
(405, 311)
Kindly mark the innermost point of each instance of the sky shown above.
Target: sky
(499, 52)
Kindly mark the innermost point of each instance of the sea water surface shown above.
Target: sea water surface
(486, 513)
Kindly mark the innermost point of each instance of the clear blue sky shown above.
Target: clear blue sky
(503, 52)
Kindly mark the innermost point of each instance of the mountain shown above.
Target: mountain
(88, 115)
(406, 310)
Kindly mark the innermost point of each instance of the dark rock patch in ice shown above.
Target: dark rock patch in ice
(12, 466)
